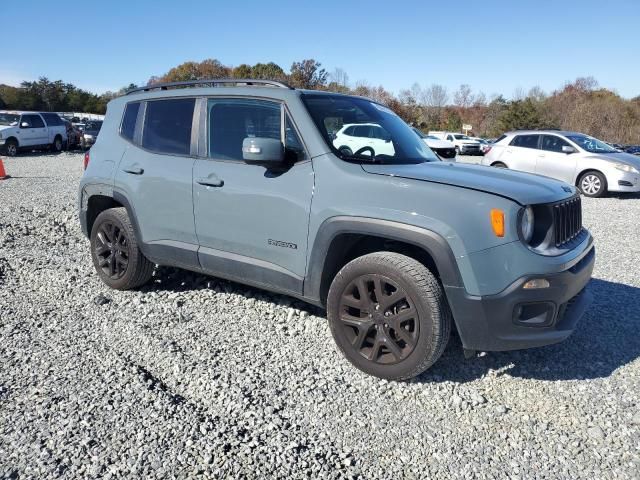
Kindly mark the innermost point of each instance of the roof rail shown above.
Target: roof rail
(211, 82)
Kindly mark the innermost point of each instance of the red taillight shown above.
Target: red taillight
(86, 159)
(487, 150)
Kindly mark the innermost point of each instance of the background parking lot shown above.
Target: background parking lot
(192, 374)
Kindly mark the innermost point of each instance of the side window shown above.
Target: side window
(450, 138)
(361, 131)
(349, 131)
(34, 121)
(167, 126)
(233, 120)
(128, 127)
(552, 143)
(525, 141)
(52, 119)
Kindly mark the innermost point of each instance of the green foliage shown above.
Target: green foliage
(55, 96)
(521, 115)
(308, 74)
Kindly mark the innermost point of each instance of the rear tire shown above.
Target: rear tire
(115, 251)
(388, 315)
(593, 184)
(499, 165)
(57, 144)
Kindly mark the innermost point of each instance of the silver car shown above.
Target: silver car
(578, 159)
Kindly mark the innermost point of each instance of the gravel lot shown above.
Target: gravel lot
(197, 376)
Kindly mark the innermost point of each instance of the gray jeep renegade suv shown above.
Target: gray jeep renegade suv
(246, 180)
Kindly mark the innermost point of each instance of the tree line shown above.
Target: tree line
(581, 105)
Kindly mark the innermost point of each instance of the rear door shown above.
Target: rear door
(155, 176)
(553, 162)
(252, 224)
(522, 152)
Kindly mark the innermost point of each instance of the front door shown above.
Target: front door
(252, 223)
(553, 162)
(32, 130)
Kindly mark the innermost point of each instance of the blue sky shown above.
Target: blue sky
(494, 46)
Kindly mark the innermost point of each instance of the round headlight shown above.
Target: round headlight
(526, 224)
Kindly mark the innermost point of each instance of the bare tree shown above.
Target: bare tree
(463, 97)
(435, 96)
(537, 94)
(518, 94)
(339, 77)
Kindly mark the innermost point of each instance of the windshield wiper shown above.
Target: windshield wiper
(365, 159)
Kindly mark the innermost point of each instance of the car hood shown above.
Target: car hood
(524, 188)
(621, 157)
(5, 127)
(431, 143)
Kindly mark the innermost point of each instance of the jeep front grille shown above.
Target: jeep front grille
(567, 220)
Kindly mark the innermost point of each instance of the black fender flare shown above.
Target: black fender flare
(431, 242)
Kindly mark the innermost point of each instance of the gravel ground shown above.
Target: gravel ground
(194, 376)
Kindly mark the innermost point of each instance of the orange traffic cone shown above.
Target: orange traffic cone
(3, 174)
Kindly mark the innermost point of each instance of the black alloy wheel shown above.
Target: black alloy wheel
(112, 250)
(379, 319)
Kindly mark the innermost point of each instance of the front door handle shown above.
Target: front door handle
(210, 182)
(133, 170)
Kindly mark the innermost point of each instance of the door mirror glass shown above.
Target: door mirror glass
(268, 152)
(568, 149)
(25, 125)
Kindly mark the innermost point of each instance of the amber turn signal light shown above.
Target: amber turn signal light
(497, 222)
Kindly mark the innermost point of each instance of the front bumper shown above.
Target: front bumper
(518, 318)
(618, 181)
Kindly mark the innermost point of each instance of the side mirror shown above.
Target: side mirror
(25, 125)
(568, 149)
(267, 152)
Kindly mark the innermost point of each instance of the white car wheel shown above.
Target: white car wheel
(593, 184)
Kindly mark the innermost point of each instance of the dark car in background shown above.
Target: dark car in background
(633, 149)
(90, 133)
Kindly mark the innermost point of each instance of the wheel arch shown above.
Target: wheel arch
(341, 239)
(583, 172)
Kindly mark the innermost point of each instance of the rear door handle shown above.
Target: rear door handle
(212, 181)
(133, 170)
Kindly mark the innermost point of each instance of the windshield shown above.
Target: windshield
(360, 130)
(9, 119)
(590, 144)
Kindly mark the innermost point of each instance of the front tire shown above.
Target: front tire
(388, 315)
(115, 251)
(499, 165)
(11, 148)
(593, 184)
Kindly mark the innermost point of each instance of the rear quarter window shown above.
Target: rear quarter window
(129, 118)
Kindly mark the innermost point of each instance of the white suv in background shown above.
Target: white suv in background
(363, 138)
(464, 145)
(31, 130)
(578, 159)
